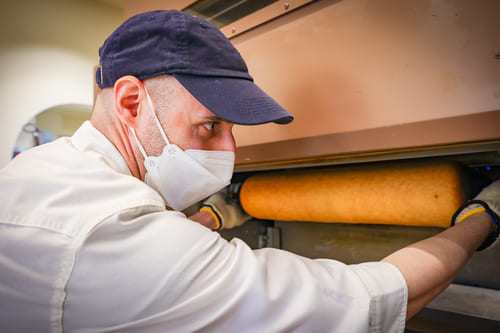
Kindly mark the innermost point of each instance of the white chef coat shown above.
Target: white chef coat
(87, 247)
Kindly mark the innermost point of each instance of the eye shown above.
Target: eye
(209, 126)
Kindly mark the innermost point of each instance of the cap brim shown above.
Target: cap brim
(236, 100)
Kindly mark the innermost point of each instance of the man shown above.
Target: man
(91, 238)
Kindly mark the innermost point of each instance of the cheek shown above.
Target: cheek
(174, 127)
(186, 136)
(229, 143)
(224, 141)
(194, 139)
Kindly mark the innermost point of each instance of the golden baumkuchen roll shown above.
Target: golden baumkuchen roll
(417, 195)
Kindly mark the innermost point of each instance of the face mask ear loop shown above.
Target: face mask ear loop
(156, 118)
(141, 148)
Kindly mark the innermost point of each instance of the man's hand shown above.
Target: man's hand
(226, 214)
(487, 201)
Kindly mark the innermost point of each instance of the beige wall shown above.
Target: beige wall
(132, 7)
(47, 51)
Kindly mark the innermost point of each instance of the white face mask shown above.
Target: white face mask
(185, 177)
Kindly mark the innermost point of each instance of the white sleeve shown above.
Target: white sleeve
(160, 272)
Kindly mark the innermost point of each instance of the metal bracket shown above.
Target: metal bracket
(271, 238)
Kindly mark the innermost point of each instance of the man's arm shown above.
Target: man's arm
(430, 265)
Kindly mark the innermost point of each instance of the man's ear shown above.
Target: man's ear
(129, 92)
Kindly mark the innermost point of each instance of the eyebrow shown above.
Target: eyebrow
(212, 118)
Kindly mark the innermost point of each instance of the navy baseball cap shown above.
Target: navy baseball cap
(198, 55)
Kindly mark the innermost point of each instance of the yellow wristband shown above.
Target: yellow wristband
(216, 217)
(471, 212)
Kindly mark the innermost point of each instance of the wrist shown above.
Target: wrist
(484, 218)
(475, 209)
(205, 218)
(213, 215)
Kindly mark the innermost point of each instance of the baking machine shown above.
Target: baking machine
(472, 142)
